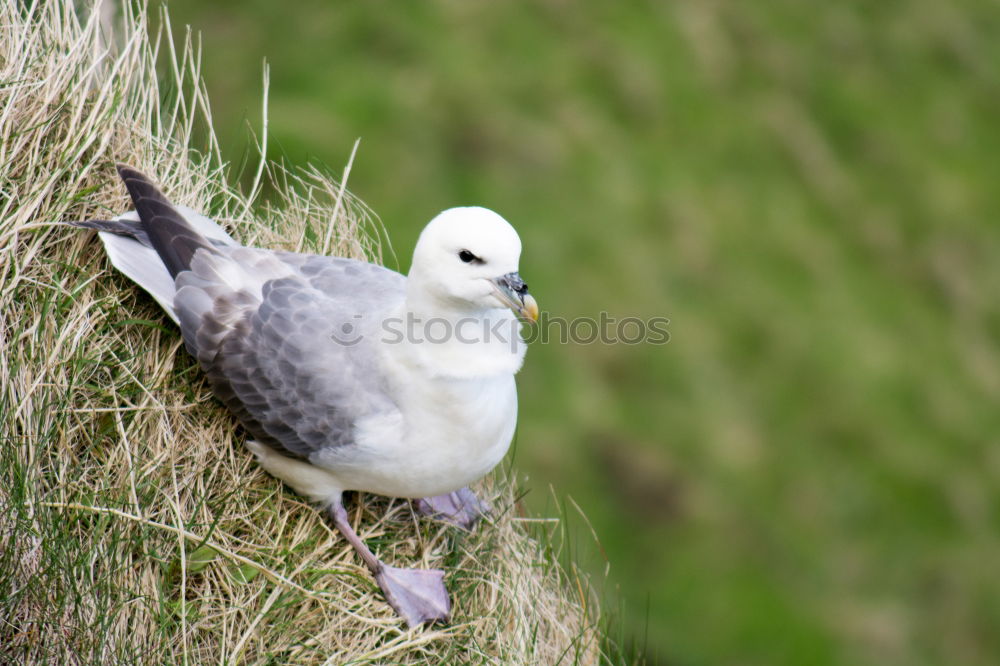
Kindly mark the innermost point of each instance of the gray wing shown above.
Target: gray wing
(286, 343)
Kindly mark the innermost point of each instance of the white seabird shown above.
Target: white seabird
(314, 357)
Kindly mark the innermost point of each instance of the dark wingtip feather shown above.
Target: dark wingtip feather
(128, 171)
(130, 175)
(170, 234)
(140, 186)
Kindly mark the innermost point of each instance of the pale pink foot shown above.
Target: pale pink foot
(417, 595)
(461, 508)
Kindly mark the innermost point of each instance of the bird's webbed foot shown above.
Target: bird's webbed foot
(418, 595)
(461, 508)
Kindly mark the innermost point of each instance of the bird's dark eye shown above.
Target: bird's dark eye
(468, 257)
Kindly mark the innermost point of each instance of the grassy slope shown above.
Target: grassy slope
(808, 473)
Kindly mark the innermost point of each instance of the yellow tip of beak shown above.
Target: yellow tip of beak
(530, 309)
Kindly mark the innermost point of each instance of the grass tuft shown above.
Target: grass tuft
(134, 526)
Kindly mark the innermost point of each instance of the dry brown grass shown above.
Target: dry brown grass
(134, 526)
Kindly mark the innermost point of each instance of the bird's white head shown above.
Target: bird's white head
(466, 261)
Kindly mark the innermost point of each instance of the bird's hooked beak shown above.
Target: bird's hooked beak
(512, 291)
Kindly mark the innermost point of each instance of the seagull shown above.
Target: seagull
(348, 376)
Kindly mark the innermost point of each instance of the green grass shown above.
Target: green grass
(808, 472)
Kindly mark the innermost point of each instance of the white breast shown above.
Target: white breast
(450, 433)
(457, 414)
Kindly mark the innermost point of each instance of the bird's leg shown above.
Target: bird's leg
(461, 507)
(418, 595)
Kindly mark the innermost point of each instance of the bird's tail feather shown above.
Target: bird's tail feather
(143, 266)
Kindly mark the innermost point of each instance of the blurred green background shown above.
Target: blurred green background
(808, 472)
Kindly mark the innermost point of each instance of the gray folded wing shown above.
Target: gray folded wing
(287, 341)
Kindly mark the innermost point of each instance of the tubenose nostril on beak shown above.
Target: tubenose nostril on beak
(516, 283)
